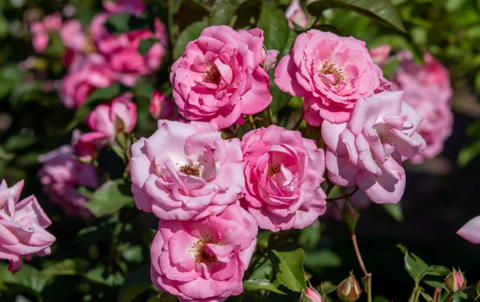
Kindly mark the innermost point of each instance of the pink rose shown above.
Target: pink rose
(283, 172)
(186, 171)
(84, 76)
(108, 119)
(205, 260)
(331, 73)
(73, 36)
(295, 14)
(53, 22)
(471, 230)
(219, 77)
(42, 29)
(380, 54)
(161, 107)
(60, 176)
(121, 51)
(368, 150)
(22, 227)
(427, 89)
(311, 295)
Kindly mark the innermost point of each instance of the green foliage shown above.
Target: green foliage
(261, 284)
(289, 268)
(192, 32)
(109, 198)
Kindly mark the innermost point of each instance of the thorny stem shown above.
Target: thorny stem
(436, 294)
(252, 122)
(368, 277)
(344, 196)
(297, 124)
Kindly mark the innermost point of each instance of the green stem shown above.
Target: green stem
(297, 124)
(269, 116)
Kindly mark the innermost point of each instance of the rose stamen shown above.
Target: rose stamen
(191, 169)
(212, 75)
(273, 169)
(199, 252)
(332, 68)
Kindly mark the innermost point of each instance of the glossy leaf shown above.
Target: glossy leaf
(192, 32)
(145, 46)
(382, 11)
(415, 266)
(108, 199)
(395, 210)
(260, 284)
(275, 28)
(289, 267)
(223, 11)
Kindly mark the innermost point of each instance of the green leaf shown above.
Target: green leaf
(467, 153)
(279, 98)
(223, 11)
(261, 284)
(315, 260)
(426, 296)
(395, 210)
(101, 276)
(124, 22)
(191, 11)
(328, 287)
(145, 46)
(192, 32)
(63, 268)
(382, 11)
(135, 284)
(108, 199)
(310, 236)
(96, 97)
(415, 266)
(438, 270)
(28, 279)
(435, 283)
(289, 267)
(19, 142)
(275, 28)
(10, 76)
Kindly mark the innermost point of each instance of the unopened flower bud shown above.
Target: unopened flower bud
(455, 282)
(311, 295)
(349, 290)
(350, 214)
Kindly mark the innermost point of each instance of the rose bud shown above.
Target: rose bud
(310, 295)
(349, 290)
(455, 282)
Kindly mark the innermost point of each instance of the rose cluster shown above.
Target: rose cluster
(212, 194)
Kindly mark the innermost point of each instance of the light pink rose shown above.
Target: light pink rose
(471, 230)
(22, 227)
(295, 14)
(283, 172)
(205, 260)
(186, 171)
(380, 54)
(73, 35)
(108, 119)
(219, 77)
(428, 90)
(331, 73)
(368, 150)
(161, 107)
(60, 176)
(84, 76)
(121, 51)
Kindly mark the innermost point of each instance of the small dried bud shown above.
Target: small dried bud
(311, 295)
(455, 282)
(349, 290)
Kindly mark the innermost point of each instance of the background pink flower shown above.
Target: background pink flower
(84, 76)
(73, 35)
(161, 107)
(380, 54)
(295, 14)
(471, 230)
(41, 31)
(427, 89)
(121, 51)
(60, 176)
(331, 73)
(186, 171)
(283, 172)
(368, 150)
(204, 260)
(219, 77)
(22, 227)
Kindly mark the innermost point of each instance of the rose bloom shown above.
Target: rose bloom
(22, 227)
(311, 295)
(204, 260)
(108, 119)
(83, 77)
(121, 51)
(380, 54)
(368, 150)
(61, 175)
(73, 35)
(161, 107)
(283, 172)
(471, 230)
(331, 73)
(428, 90)
(296, 15)
(186, 171)
(219, 77)
(42, 29)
